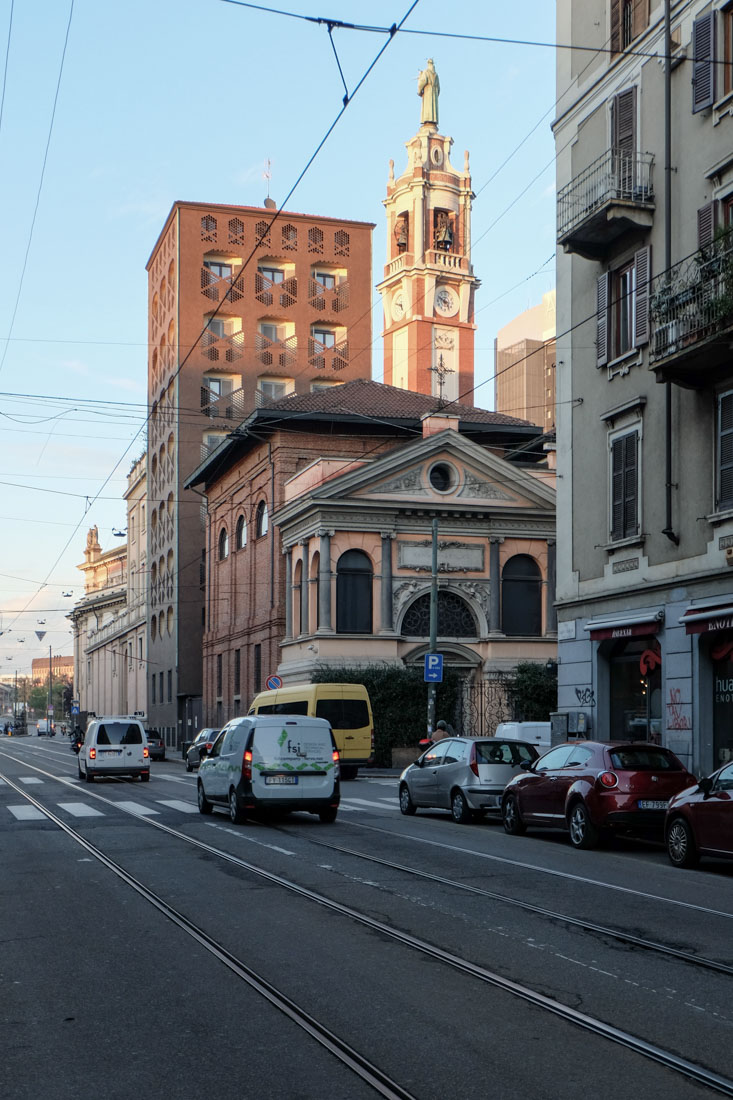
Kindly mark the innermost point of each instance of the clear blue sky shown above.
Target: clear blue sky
(185, 100)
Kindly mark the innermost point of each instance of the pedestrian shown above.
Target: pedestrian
(443, 729)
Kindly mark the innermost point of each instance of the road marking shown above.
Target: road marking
(250, 839)
(138, 808)
(176, 804)
(355, 803)
(29, 779)
(79, 809)
(26, 813)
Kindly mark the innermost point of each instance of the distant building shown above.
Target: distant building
(524, 365)
(61, 668)
(110, 621)
(429, 287)
(339, 575)
(242, 313)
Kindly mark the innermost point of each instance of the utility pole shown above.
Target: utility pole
(49, 709)
(432, 690)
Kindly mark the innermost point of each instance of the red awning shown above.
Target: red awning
(701, 620)
(630, 627)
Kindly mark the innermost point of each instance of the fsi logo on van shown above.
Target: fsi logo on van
(434, 668)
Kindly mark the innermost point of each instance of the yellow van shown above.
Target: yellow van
(345, 706)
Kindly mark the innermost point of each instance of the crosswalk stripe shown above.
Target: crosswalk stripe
(177, 804)
(79, 809)
(26, 813)
(29, 779)
(138, 808)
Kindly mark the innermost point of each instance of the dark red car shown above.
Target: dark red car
(699, 821)
(594, 787)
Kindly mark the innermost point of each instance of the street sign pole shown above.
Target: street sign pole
(433, 625)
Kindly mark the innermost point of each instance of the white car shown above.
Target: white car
(271, 762)
(114, 745)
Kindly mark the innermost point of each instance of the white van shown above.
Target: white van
(534, 733)
(271, 762)
(114, 745)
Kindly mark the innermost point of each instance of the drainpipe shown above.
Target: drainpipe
(668, 529)
(272, 532)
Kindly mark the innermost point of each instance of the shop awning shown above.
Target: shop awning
(700, 620)
(628, 626)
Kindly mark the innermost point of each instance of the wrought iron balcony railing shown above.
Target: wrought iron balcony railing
(693, 301)
(615, 177)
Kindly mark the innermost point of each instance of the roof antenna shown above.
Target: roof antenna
(270, 204)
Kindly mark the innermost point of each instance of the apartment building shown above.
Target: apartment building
(524, 365)
(246, 306)
(644, 134)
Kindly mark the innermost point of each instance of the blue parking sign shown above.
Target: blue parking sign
(434, 668)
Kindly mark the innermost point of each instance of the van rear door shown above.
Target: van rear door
(350, 719)
(292, 759)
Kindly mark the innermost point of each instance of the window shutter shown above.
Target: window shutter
(640, 17)
(624, 121)
(617, 489)
(703, 67)
(624, 486)
(705, 225)
(615, 27)
(602, 289)
(725, 451)
(642, 268)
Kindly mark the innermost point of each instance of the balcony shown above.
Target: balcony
(323, 357)
(691, 311)
(276, 353)
(611, 197)
(333, 299)
(225, 406)
(224, 348)
(284, 294)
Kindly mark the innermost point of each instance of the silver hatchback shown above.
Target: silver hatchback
(465, 775)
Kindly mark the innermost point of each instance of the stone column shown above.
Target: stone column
(324, 583)
(304, 589)
(288, 593)
(386, 589)
(550, 612)
(494, 587)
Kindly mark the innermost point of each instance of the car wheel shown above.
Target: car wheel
(88, 776)
(235, 811)
(583, 833)
(145, 777)
(205, 806)
(460, 809)
(681, 844)
(510, 816)
(407, 806)
(327, 817)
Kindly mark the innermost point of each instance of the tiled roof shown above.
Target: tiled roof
(375, 400)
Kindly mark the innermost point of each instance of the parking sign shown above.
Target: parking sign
(434, 668)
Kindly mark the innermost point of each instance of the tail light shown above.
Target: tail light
(336, 767)
(608, 780)
(247, 765)
(473, 762)
(92, 754)
(146, 752)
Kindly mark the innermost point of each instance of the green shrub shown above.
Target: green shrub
(534, 692)
(399, 698)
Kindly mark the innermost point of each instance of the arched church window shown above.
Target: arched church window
(354, 593)
(521, 596)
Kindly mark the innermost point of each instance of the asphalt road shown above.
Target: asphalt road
(137, 935)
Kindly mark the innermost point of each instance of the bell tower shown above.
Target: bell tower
(428, 286)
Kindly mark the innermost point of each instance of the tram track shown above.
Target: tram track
(375, 1077)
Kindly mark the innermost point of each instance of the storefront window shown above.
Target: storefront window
(722, 660)
(635, 669)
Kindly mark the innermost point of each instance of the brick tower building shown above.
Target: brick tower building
(242, 310)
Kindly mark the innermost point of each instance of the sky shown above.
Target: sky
(112, 112)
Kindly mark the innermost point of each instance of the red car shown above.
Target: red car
(594, 787)
(700, 820)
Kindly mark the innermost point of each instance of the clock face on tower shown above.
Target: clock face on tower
(446, 301)
(398, 306)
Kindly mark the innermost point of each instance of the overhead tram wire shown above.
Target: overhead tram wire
(5, 67)
(40, 186)
(391, 31)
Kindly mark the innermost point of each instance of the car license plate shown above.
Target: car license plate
(652, 804)
(280, 780)
(111, 752)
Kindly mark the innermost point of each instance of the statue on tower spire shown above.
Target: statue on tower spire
(428, 88)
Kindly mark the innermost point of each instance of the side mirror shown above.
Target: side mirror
(705, 785)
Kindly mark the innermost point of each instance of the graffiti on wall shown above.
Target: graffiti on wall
(677, 716)
(586, 697)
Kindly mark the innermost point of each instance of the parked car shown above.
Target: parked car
(114, 745)
(594, 787)
(272, 762)
(201, 743)
(699, 820)
(465, 775)
(156, 744)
